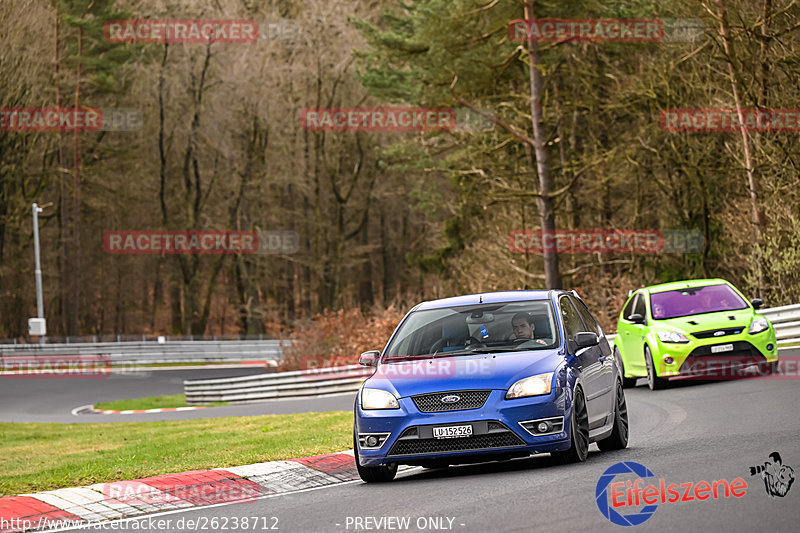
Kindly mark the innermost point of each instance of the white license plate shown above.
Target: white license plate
(722, 348)
(452, 432)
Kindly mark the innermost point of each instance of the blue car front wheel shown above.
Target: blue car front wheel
(373, 474)
(579, 447)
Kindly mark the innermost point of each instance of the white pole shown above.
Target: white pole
(38, 266)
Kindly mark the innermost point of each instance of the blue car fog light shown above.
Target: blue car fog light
(544, 426)
(372, 440)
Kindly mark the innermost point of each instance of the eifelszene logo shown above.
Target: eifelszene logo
(608, 509)
(628, 495)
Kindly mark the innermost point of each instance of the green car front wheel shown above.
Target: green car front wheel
(653, 381)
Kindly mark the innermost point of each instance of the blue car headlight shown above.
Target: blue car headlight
(672, 336)
(532, 386)
(378, 399)
(758, 325)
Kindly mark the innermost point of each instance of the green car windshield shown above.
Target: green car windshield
(695, 301)
(466, 330)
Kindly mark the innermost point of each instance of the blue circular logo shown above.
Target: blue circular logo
(603, 503)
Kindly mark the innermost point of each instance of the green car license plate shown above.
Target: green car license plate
(722, 348)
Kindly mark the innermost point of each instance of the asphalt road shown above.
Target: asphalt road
(34, 399)
(691, 432)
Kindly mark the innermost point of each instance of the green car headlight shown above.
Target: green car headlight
(758, 325)
(672, 336)
(532, 386)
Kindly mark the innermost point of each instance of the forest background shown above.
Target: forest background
(561, 135)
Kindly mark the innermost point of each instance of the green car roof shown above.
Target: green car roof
(677, 285)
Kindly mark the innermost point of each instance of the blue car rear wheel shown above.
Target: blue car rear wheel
(619, 435)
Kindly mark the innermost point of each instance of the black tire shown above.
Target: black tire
(653, 381)
(373, 474)
(626, 382)
(619, 435)
(579, 432)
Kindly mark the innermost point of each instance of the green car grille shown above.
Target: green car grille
(712, 333)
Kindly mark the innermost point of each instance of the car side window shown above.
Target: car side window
(591, 324)
(639, 306)
(572, 322)
(628, 309)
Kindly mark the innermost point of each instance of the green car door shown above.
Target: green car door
(630, 334)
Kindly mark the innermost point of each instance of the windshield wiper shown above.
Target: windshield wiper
(400, 358)
(488, 349)
(454, 352)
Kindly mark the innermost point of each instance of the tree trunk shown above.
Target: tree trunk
(752, 180)
(546, 212)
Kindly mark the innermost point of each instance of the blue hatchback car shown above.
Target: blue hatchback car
(489, 377)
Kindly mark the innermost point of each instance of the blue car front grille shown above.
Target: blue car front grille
(467, 399)
(497, 436)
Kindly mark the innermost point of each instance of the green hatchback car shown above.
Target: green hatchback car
(690, 328)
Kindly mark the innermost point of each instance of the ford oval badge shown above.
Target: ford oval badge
(451, 399)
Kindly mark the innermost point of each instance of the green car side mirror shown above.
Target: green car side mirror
(636, 318)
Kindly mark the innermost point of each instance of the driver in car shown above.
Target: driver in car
(522, 324)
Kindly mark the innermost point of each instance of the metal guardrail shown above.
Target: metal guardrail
(132, 353)
(298, 383)
(786, 320)
(247, 389)
(131, 337)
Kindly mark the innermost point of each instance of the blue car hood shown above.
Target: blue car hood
(480, 371)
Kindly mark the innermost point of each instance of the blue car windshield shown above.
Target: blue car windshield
(695, 301)
(484, 328)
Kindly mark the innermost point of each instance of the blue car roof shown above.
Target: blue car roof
(486, 298)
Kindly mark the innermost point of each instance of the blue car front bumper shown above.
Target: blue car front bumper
(406, 434)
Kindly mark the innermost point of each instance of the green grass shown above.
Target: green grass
(151, 402)
(36, 457)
